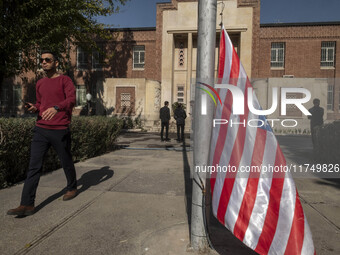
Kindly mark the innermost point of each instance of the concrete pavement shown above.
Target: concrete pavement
(136, 200)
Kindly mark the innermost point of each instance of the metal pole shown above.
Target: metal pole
(202, 123)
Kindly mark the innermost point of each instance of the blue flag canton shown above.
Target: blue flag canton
(263, 123)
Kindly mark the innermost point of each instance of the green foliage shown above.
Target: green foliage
(26, 26)
(91, 136)
(175, 105)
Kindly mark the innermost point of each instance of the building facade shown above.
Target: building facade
(303, 50)
(151, 65)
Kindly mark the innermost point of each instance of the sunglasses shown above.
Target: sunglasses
(48, 60)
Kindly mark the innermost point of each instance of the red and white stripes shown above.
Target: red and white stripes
(261, 209)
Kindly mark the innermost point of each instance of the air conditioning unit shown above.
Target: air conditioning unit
(288, 76)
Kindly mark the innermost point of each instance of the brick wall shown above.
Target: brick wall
(302, 50)
(302, 54)
(120, 65)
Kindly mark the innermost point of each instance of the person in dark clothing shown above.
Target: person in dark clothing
(164, 115)
(180, 116)
(55, 98)
(316, 119)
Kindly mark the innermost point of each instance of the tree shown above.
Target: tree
(29, 25)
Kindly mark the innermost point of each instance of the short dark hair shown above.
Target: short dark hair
(166, 103)
(53, 53)
(316, 101)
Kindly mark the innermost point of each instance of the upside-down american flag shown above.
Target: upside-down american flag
(262, 210)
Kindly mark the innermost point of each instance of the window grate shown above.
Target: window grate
(80, 95)
(327, 54)
(180, 93)
(125, 99)
(277, 57)
(330, 93)
(139, 57)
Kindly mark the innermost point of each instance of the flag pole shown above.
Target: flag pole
(202, 123)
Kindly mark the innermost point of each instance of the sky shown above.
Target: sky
(142, 13)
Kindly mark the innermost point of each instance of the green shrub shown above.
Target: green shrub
(91, 136)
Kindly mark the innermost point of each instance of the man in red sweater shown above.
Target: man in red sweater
(56, 97)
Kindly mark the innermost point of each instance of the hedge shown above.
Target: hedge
(91, 136)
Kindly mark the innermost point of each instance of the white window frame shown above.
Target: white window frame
(277, 61)
(327, 54)
(98, 61)
(180, 93)
(330, 97)
(140, 50)
(85, 56)
(80, 95)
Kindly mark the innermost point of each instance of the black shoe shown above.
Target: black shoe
(167, 139)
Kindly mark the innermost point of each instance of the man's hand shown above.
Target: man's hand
(30, 107)
(49, 113)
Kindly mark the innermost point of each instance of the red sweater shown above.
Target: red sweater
(59, 92)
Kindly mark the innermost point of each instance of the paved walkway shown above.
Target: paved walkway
(136, 200)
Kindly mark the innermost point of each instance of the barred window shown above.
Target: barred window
(4, 96)
(11, 95)
(330, 93)
(138, 57)
(277, 58)
(180, 93)
(81, 95)
(17, 95)
(82, 58)
(292, 109)
(327, 54)
(125, 99)
(98, 58)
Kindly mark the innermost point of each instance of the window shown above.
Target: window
(181, 54)
(17, 90)
(138, 57)
(180, 93)
(330, 91)
(4, 96)
(98, 58)
(277, 58)
(125, 99)
(82, 58)
(81, 95)
(11, 95)
(292, 109)
(327, 54)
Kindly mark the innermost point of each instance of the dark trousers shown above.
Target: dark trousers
(166, 125)
(180, 132)
(42, 140)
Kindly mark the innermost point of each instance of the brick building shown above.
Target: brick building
(302, 50)
(151, 65)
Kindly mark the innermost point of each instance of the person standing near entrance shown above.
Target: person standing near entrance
(56, 98)
(164, 115)
(180, 116)
(316, 119)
